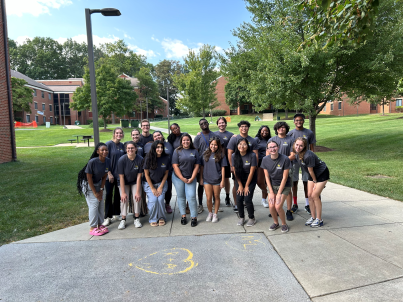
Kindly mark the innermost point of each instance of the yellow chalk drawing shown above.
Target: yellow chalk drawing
(245, 242)
(167, 262)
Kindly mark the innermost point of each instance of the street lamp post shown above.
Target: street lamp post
(105, 12)
(169, 128)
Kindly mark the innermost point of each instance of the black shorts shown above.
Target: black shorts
(322, 177)
(227, 171)
(260, 162)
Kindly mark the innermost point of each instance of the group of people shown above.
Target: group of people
(147, 167)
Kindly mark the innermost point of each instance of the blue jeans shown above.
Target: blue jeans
(185, 192)
(156, 205)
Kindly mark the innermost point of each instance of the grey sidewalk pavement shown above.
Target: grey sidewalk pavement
(355, 256)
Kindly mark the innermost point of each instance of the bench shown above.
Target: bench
(87, 138)
(71, 140)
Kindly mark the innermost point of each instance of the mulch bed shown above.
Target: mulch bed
(322, 149)
(105, 130)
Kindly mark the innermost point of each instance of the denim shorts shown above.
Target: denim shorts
(206, 183)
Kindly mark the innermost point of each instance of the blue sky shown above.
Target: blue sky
(159, 29)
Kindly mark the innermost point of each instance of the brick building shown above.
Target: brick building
(7, 134)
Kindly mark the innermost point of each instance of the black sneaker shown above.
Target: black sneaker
(294, 208)
(235, 209)
(289, 216)
(228, 202)
(194, 222)
(308, 209)
(272, 216)
(184, 220)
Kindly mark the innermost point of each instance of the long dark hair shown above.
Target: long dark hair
(181, 146)
(278, 125)
(259, 133)
(171, 138)
(151, 158)
(82, 183)
(238, 164)
(218, 154)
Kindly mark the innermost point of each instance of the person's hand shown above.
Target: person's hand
(246, 191)
(198, 133)
(155, 192)
(278, 198)
(137, 197)
(159, 190)
(111, 178)
(272, 197)
(314, 186)
(98, 195)
(123, 197)
(239, 191)
(190, 180)
(222, 185)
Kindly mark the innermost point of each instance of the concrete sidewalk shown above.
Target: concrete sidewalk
(355, 256)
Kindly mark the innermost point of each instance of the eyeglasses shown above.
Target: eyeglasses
(130, 148)
(145, 126)
(202, 123)
(272, 147)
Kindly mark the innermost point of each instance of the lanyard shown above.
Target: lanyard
(207, 144)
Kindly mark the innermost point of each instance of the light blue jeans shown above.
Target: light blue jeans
(185, 192)
(156, 205)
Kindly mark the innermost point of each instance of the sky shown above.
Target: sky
(158, 29)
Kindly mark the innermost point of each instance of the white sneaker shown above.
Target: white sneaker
(106, 222)
(264, 203)
(137, 223)
(215, 218)
(209, 217)
(122, 225)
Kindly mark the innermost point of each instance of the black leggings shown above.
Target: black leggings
(240, 199)
(168, 194)
(112, 208)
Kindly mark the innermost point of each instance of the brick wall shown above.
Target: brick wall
(39, 100)
(6, 149)
(220, 92)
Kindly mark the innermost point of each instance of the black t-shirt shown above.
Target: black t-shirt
(167, 146)
(202, 141)
(261, 145)
(186, 159)
(177, 141)
(212, 169)
(305, 133)
(225, 136)
(284, 144)
(276, 168)
(313, 161)
(115, 152)
(97, 168)
(163, 164)
(248, 161)
(234, 141)
(140, 147)
(144, 140)
(130, 169)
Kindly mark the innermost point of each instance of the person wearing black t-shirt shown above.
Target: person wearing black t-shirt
(261, 138)
(175, 137)
(145, 136)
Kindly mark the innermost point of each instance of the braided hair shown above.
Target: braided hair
(238, 163)
(151, 158)
(82, 183)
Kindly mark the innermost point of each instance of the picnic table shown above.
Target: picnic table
(76, 137)
(87, 138)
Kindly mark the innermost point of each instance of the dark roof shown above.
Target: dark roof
(30, 81)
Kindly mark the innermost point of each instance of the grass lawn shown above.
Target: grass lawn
(38, 192)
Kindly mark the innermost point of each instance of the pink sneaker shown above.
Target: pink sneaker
(103, 228)
(97, 232)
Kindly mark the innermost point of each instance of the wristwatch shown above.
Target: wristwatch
(101, 189)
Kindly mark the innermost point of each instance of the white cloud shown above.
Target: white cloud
(148, 53)
(127, 36)
(155, 39)
(33, 7)
(174, 48)
(20, 40)
(95, 39)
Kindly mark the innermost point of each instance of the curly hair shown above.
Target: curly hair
(191, 142)
(82, 183)
(171, 138)
(302, 153)
(238, 163)
(219, 154)
(259, 133)
(278, 125)
(151, 158)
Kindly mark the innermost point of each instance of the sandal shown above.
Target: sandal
(153, 224)
(104, 229)
(161, 222)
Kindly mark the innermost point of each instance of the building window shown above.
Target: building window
(50, 107)
(399, 102)
(36, 105)
(36, 119)
(34, 92)
(331, 107)
(324, 109)
(50, 96)
(28, 118)
(43, 94)
(373, 107)
(51, 120)
(43, 107)
(44, 119)
(339, 106)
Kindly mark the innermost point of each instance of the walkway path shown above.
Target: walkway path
(355, 256)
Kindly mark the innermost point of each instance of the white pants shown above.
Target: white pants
(124, 205)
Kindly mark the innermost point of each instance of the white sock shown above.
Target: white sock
(307, 201)
(264, 200)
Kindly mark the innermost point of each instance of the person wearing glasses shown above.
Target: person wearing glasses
(202, 143)
(145, 136)
(136, 139)
(276, 169)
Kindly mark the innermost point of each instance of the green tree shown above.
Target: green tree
(198, 85)
(235, 94)
(22, 95)
(148, 91)
(13, 50)
(284, 77)
(76, 56)
(40, 59)
(114, 94)
(163, 73)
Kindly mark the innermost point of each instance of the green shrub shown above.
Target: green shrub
(18, 119)
(100, 123)
(158, 116)
(89, 121)
(399, 108)
(219, 112)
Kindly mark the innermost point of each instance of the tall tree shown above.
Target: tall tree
(235, 94)
(41, 59)
(148, 91)
(22, 95)
(307, 79)
(114, 94)
(198, 85)
(163, 73)
(76, 56)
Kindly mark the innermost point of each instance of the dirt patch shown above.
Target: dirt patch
(378, 176)
(322, 149)
(400, 117)
(105, 130)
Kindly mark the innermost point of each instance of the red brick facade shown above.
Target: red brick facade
(7, 134)
(42, 109)
(220, 92)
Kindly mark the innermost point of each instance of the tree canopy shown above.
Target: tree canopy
(148, 90)
(21, 94)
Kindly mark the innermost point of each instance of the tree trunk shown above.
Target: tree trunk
(113, 118)
(312, 124)
(204, 113)
(383, 107)
(357, 110)
(104, 122)
(286, 114)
